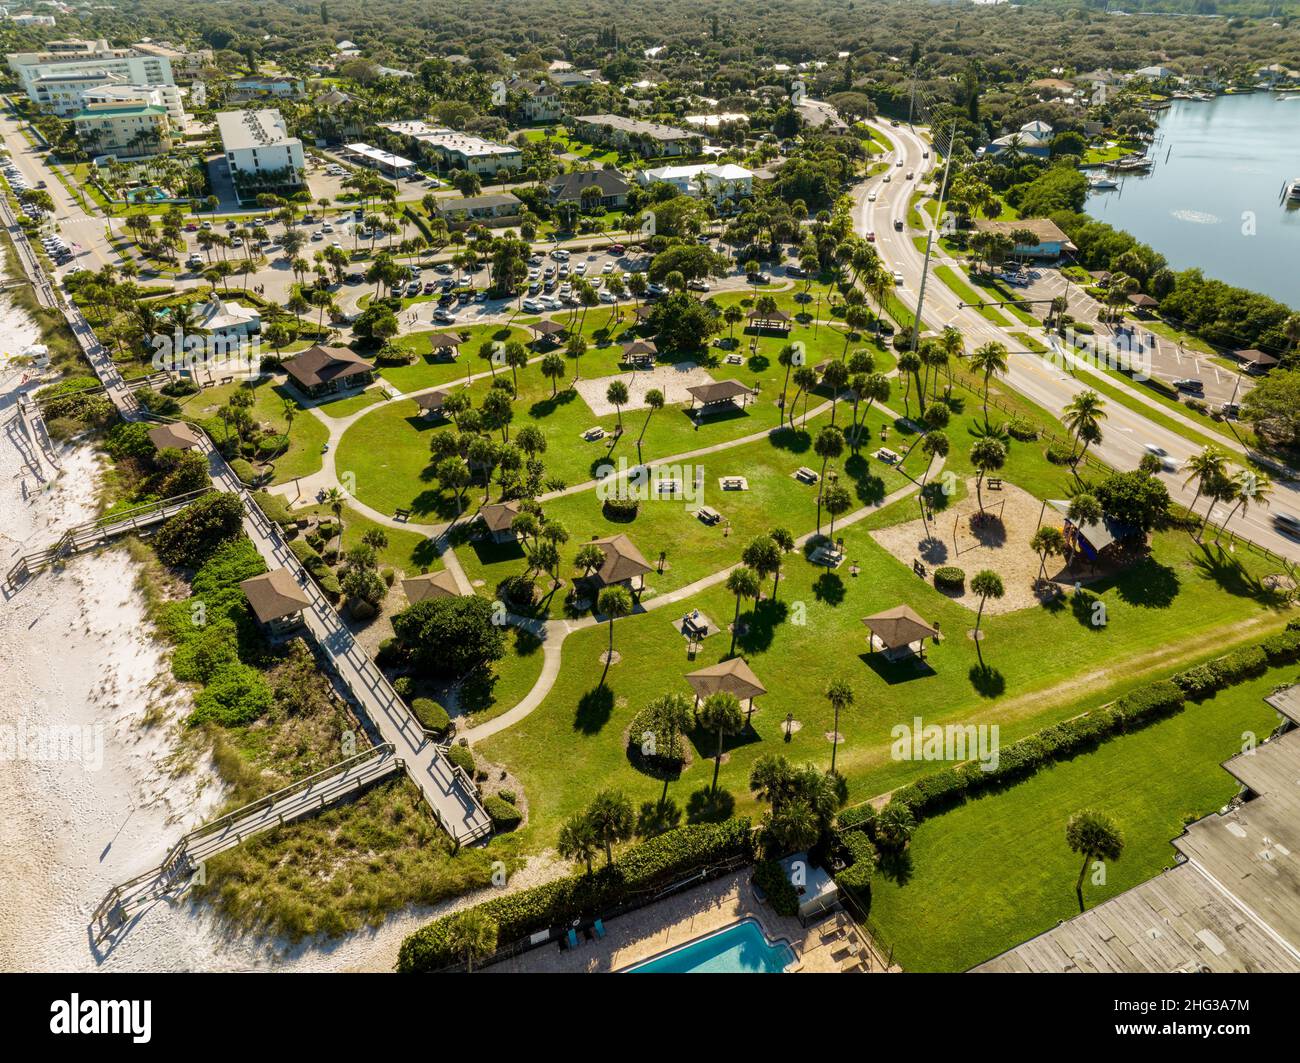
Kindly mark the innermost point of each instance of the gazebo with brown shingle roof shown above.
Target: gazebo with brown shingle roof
(623, 562)
(276, 600)
(431, 403)
(177, 436)
(898, 630)
(430, 585)
(498, 518)
(547, 330)
(640, 353)
(718, 393)
(733, 676)
(447, 343)
(771, 321)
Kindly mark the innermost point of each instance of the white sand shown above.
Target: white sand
(672, 380)
(76, 655)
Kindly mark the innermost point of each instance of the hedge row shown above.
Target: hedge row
(647, 866)
(771, 878)
(1135, 709)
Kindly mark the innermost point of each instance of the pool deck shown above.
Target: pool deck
(657, 928)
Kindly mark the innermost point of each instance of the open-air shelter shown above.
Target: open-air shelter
(717, 394)
(640, 354)
(733, 677)
(769, 321)
(175, 436)
(445, 343)
(547, 330)
(431, 404)
(430, 585)
(900, 631)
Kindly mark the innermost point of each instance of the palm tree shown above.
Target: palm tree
(1085, 409)
(617, 395)
(785, 543)
(990, 359)
(838, 501)
(805, 379)
(987, 455)
(611, 818)
(909, 365)
(1095, 836)
(787, 356)
(1247, 487)
(933, 445)
(577, 841)
(829, 444)
(472, 935)
(987, 584)
(721, 712)
(612, 603)
(1208, 470)
(743, 583)
(1046, 542)
(840, 695)
(334, 498)
(654, 400)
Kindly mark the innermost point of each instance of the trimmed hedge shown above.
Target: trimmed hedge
(430, 714)
(1203, 680)
(650, 865)
(950, 576)
(858, 817)
(771, 879)
(462, 758)
(504, 815)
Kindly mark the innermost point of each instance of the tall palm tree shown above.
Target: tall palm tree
(1086, 409)
(743, 583)
(989, 359)
(1208, 470)
(721, 712)
(840, 694)
(1247, 487)
(1095, 836)
(613, 602)
(334, 498)
(934, 445)
(987, 584)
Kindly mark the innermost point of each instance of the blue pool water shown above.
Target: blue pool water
(739, 949)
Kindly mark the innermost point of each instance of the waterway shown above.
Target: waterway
(1214, 199)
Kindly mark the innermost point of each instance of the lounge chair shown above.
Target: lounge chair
(572, 938)
(599, 927)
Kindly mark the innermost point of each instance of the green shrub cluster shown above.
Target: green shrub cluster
(1205, 679)
(949, 577)
(462, 758)
(621, 509)
(1059, 454)
(430, 714)
(771, 878)
(649, 865)
(857, 817)
(1022, 428)
(192, 535)
(504, 815)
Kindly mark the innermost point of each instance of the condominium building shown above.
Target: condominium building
(48, 77)
(125, 130)
(260, 152)
(168, 97)
(632, 134)
(187, 61)
(719, 182)
(459, 151)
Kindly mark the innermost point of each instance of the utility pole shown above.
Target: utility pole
(929, 242)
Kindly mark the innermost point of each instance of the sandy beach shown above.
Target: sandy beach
(92, 789)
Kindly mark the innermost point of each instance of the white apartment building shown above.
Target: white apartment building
(65, 67)
(460, 151)
(726, 181)
(259, 151)
(168, 97)
(183, 60)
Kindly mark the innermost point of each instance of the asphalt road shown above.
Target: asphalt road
(1127, 433)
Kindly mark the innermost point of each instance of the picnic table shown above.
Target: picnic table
(709, 515)
(592, 434)
(887, 456)
(807, 475)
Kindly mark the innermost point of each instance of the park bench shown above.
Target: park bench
(995, 483)
(918, 568)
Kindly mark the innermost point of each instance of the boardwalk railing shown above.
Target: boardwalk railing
(177, 867)
(99, 531)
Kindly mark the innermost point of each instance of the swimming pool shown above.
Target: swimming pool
(741, 948)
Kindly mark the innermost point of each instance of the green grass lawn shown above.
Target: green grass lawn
(306, 436)
(694, 549)
(388, 449)
(996, 870)
(1160, 612)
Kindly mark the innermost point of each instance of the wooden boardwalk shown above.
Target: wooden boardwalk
(96, 533)
(185, 859)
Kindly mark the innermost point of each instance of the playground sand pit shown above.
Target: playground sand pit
(1000, 543)
(672, 380)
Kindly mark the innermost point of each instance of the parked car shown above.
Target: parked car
(898, 225)
(1189, 384)
(532, 306)
(898, 278)
(430, 287)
